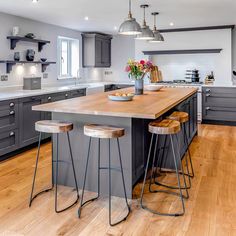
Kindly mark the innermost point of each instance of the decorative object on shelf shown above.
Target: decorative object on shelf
(137, 71)
(30, 55)
(15, 31)
(146, 34)
(17, 56)
(30, 36)
(158, 37)
(155, 75)
(43, 59)
(130, 26)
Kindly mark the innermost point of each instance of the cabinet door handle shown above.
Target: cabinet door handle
(208, 90)
(11, 112)
(208, 95)
(66, 95)
(12, 134)
(12, 104)
(208, 108)
(33, 98)
(49, 98)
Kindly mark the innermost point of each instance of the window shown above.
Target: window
(68, 58)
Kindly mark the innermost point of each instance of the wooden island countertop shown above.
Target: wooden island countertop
(151, 105)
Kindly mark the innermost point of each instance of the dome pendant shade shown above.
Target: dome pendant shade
(130, 26)
(158, 37)
(146, 33)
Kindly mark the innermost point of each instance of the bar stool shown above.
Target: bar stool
(104, 132)
(170, 128)
(54, 127)
(183, 118)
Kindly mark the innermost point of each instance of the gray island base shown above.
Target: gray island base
(134, 149)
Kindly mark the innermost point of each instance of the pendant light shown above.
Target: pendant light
(130, 26)
(146, 34)
(158, 37)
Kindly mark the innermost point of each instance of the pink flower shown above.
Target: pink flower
(127, 68)
(142, 62)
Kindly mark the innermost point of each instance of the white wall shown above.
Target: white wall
(122, 49)
(174, 66)
(42, 31)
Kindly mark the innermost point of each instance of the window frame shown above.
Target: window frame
(69, 42)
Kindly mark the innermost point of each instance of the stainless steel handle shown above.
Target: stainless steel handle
(208, 95)
(66, 95)
(12, 134)
(49, 98)
(12, 104)
(208, 108)
(208, 90)
(11, 112)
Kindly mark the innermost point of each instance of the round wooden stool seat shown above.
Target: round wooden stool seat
(53, 126)
(164, 127)
(102, 131)
(180, 116)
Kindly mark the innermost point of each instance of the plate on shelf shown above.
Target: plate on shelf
(153, 87)
(121, 97)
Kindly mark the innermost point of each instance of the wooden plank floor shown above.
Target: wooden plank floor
(211, 209)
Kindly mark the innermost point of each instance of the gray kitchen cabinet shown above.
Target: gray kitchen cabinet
(96, 49)
(111, 87)
(77, 93)
(27, 119)
(219, 105)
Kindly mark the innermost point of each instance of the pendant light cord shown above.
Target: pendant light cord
(144, 17)
(130, 14)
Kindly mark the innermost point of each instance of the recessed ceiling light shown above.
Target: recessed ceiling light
(171, 24)
(86, 18)
(35, 1)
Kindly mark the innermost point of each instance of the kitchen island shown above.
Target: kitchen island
(134, 116)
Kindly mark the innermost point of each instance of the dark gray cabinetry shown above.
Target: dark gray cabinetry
(96, 50)
(9, 118)
(111, 87)
(219, 104)
(28, 117)
(141, 138)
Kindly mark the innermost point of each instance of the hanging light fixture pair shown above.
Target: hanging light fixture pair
(131, 27)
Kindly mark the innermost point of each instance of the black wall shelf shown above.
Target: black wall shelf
(10, 64)
(15, 39)
(190, 51)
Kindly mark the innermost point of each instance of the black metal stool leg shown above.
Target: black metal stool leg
(35, 173)
(189, 154)
(123, 181)
(85, 175)
(73, 167)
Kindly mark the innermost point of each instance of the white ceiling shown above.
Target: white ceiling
(104, 15)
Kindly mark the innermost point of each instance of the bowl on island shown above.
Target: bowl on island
(121, 97)
(153, 87)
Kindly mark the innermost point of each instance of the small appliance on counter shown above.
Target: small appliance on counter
(193, 75)
(32, 83)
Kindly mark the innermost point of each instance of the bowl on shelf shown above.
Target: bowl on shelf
(153, 87)
(43, 59)
(121, 97)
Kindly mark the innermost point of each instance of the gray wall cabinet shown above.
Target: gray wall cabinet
(219, 105)
(17, 120)
(96, 50)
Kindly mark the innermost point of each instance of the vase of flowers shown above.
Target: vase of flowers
(137, 71)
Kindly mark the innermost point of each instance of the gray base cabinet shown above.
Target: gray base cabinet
(17, 120)
(218, 104)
